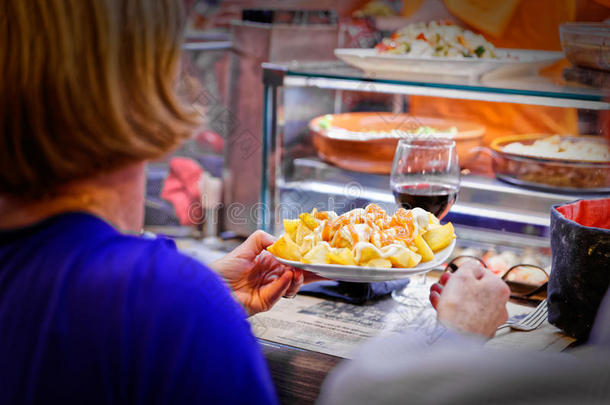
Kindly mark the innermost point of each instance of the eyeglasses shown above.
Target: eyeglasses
(526, 281)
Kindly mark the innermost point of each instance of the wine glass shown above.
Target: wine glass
(425, 174)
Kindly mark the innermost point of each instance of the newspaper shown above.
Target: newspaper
(337, 328)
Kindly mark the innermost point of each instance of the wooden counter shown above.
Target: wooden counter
(298, 374)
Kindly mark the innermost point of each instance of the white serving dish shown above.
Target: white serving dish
(510, 60)
(370, 274)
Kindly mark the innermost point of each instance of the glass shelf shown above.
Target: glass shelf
(527, 89)
(313, 183)
(207, 46)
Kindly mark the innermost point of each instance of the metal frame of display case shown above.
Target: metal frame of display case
(488, 203)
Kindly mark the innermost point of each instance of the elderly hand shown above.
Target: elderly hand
(471, 300)
(257, 279)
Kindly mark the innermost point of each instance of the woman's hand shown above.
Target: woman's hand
(257, 279)
(472, 300)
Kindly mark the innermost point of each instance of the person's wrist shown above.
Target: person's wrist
(462, 319)
(464, 330)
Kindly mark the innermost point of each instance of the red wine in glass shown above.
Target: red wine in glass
(435, 198)
(425, 174)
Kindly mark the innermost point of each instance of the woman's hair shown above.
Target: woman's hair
(86, 86)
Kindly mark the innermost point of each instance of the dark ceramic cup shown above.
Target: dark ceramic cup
(580, 275)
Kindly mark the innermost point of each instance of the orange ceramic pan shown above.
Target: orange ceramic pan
(354, 150)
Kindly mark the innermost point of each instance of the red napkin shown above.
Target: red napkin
(592, 213)
(181, 188)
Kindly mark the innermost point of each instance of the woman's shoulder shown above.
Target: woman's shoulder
(134, 269)
(104, 270)
(159, 269)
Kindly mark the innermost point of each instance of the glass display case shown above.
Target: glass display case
(204, 83)
(492, 213)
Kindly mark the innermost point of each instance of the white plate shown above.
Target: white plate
(509, 60)
(370, 274)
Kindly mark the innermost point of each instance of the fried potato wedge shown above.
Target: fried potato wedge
(302, 232)
(318, 254)
(339, 241)
(379, 263)
(290, 227)
(309, 220)
(285, 248)
(342, 256)
(366, 252)
(423, 249)
(400, 256)
(309, 242)
(439, 238)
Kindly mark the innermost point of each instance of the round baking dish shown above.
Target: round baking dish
(550, 174)
(355, 148)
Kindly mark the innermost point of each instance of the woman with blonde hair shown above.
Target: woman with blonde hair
(90, 312)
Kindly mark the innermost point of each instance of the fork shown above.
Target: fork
(532, 321)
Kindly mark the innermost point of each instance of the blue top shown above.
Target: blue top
(90, 315)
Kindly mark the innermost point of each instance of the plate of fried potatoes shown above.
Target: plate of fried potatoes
(365, 244)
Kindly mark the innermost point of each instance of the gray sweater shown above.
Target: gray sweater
(456, 369)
